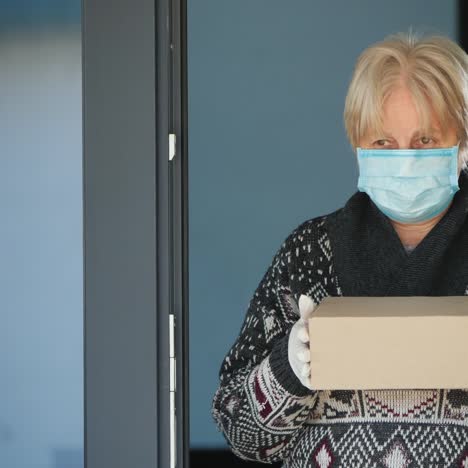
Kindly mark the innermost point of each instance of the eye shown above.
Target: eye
(380, 142)
(425, 140)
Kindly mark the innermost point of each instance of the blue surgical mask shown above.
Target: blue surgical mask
(409, 185)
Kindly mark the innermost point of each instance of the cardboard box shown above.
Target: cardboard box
(413, 342)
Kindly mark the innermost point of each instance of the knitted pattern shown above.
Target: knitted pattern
(267, 415)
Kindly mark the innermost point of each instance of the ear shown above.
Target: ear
(306, 306)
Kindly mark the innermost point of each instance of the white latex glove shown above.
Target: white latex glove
(298, 344)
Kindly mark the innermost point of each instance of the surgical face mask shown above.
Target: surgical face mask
(409, 185)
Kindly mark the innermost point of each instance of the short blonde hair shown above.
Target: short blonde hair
(434, 68)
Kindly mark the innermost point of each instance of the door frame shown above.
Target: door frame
(135, 227)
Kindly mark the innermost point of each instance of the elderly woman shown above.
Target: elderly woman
(403, 233)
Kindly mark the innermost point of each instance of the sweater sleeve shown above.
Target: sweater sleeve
(260, 405)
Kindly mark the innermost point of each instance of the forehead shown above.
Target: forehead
(401, 114)
(400, 109)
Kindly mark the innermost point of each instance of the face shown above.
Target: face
(402, 130)
(401, 127)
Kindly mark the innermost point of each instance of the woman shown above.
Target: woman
(403, 233)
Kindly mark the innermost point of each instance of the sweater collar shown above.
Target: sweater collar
(370, 259)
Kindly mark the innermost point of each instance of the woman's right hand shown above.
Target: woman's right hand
(298, 344)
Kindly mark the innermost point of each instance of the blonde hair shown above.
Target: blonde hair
(435, 70)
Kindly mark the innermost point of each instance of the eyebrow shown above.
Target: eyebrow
(430, 130)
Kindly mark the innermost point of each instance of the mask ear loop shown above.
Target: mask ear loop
(454, 169)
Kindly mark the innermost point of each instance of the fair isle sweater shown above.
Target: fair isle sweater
(263, 410)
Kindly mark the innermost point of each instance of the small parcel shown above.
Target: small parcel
(413, 342)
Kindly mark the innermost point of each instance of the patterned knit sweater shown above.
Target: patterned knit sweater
(263, 410)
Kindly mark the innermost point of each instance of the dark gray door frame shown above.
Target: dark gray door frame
(180, 222)
(135, 230)
(463, 24)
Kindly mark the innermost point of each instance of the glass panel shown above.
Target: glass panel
(41, 331)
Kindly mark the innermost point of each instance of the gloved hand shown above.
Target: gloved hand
(298, 343)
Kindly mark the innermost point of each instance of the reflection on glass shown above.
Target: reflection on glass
(41, 330)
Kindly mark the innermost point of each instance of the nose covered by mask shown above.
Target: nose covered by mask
(409, 185)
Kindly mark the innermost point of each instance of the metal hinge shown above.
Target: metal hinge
(172, 390)
(172, 146)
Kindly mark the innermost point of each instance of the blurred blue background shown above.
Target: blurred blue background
(41, 332)
(267, 149)
(31, 14)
